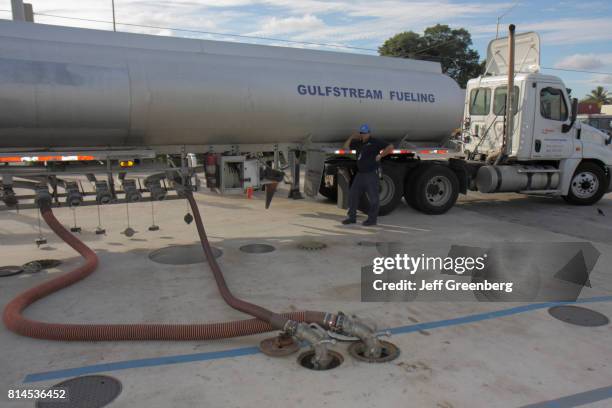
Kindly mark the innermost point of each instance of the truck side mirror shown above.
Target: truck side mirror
(566, 128)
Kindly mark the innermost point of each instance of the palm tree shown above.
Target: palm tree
(599, 95)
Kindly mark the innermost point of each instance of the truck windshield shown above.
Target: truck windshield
(480, 101)
(499, 100)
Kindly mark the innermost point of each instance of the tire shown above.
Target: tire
(409, 194)
(588, 185)
(391, 191)
(435, 189)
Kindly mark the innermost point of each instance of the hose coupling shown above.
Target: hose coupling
(316, 336)
(353, 326)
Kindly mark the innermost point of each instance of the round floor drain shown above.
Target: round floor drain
(182, 254)
(389, 352)
(41, 265)
(306, 360)
(10, 270)
(279, 346)
(92, 391)
(312, 245)
(580, 316)
(257, 248)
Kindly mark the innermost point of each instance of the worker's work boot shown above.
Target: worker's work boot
(349, 221)
(368, 222)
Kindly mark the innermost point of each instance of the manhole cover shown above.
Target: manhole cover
(367, 243)
(40, 265)
(92, 391)
(306, 360)
(312, 245)
(182, 254)
(257, 248)
(10, 270)
(580, 316)
(389, 352)
(279, 346)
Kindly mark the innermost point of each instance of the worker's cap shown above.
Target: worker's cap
(364, 129)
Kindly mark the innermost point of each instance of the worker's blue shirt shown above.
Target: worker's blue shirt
(366, 153)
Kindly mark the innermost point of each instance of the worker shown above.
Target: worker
(369, 153)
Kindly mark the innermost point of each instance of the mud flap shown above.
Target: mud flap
(315, 162)
(344, 185)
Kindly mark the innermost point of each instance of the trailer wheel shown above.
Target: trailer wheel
(409, 193)
(588, 185)
(390, 190)
(436, 189)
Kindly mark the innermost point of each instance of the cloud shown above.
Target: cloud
(348, 20)
(365, 23)
(566, 31)
(572, 30)
(278, 26)
(581, 61)
(601, 79)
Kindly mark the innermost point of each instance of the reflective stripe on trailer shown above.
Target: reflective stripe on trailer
(400, 151)
(30, 159)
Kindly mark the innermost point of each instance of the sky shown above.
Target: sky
(575, 34)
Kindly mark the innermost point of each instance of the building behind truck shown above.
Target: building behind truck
(79, 101)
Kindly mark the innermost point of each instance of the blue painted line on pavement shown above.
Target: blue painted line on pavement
(245, 351)
(576, 400)
(145, 362)
(490, 315)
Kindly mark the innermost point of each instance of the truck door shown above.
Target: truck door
(551, 112)
(478, 110)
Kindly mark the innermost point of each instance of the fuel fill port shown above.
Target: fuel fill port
(279, 346)
(388, 352)
(307, 360)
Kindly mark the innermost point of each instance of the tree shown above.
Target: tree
(599, 95)
(450, 47)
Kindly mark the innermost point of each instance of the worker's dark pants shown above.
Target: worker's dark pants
(368, 183)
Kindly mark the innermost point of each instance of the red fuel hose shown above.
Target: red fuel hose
(277, 321)
(16, 322)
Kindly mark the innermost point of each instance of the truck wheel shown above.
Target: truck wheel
(588, 185)
(390, 190)
(409, 194)
(436, 189)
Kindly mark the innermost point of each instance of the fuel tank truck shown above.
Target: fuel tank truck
(78, 87)
(83, 101)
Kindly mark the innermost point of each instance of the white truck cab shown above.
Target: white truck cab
(543, 151)
(548, 152)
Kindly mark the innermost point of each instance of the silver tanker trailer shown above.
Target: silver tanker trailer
(78, 101)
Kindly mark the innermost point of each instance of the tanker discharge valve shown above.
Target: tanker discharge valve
(8, 196)
(131, 191)
(369, 347)
(154, 186)
(103, 193)
(74, 198)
